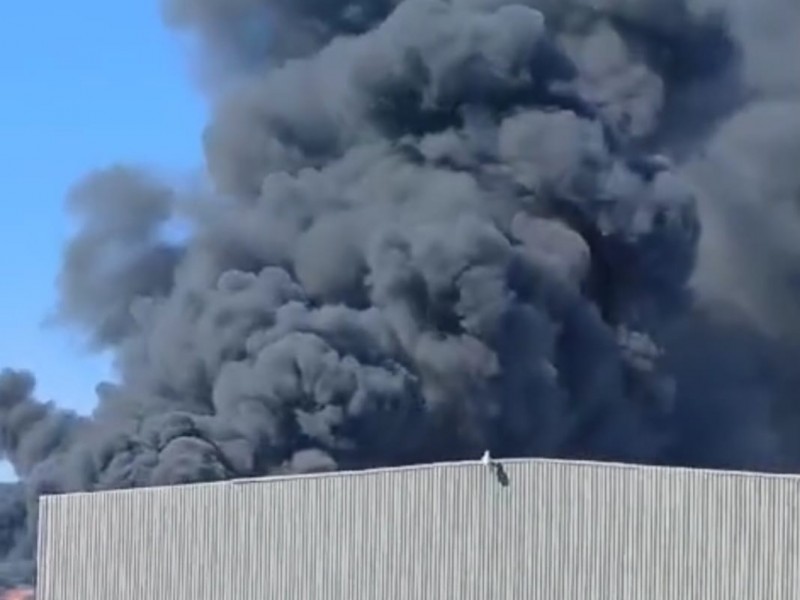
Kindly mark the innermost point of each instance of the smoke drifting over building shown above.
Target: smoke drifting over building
(433, 227)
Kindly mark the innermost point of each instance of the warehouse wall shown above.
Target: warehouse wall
(557, 531)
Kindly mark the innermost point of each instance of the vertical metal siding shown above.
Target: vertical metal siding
(560, 530)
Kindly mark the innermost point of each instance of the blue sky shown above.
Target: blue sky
(85, 84)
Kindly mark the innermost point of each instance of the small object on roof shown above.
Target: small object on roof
(486, 459)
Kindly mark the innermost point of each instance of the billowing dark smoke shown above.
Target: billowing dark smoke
(549, 228)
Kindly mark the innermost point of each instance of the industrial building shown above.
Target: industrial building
(526, 530)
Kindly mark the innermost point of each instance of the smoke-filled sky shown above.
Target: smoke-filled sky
(431, 227)
(85, 83)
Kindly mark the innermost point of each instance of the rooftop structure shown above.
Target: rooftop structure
(526, 529)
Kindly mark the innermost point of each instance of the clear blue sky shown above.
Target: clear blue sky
(83, 84)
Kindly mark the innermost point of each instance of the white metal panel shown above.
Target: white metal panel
(559, 530)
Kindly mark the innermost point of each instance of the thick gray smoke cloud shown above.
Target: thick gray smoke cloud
(547, 228)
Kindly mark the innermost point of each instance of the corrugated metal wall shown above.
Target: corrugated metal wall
(558, 531)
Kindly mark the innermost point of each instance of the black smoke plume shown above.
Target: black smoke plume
(546, 227)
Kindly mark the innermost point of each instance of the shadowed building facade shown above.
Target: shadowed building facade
(530, 529)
